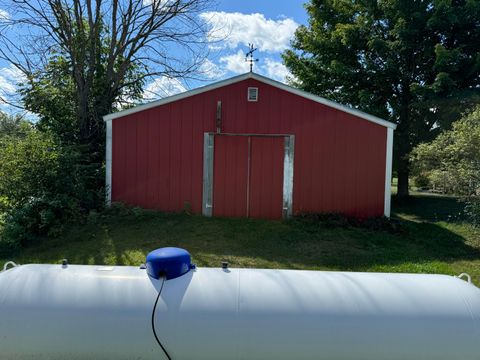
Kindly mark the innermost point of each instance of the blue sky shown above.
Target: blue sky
(270, 8)
(269, 24)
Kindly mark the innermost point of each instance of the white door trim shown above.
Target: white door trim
(208, 154)
(288, 176)
(388, 173)
(108, 164)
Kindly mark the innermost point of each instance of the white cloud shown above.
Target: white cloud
(4, 15)
(235, 62)
(233, 29)
(269, 67)
(211, 70)
(6, 86)
(10, 76)
(275, 70)
(163, 87)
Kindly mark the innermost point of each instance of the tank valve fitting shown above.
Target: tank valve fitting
(9, 263)
(224, 265)
(64, 263)
(465, 276)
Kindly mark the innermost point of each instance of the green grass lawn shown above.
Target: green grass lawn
(434, 238)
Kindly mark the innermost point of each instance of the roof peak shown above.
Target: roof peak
(258, 77)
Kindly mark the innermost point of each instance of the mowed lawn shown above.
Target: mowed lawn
(433, 238)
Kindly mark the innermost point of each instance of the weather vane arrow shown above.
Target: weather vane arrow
(249, 56)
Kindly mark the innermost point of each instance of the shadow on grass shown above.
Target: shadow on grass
(296, 244)
(429, 207)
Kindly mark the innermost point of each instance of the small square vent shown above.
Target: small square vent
(252, 94)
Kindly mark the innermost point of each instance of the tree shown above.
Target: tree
(100, 52)
(13, 126)
(51, 95)
(416, 63)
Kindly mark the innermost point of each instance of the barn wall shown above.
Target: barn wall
(157, 153)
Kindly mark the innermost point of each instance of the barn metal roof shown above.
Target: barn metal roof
(263, 79)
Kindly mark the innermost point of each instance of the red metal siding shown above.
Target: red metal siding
(266, 177)
(339, 158)
(230, 176)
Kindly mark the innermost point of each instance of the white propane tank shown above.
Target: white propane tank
(174, 311)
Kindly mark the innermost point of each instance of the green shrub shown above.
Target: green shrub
(40, 217)
(422, 181)
(452, 162)
(43, 185)
(452, 159)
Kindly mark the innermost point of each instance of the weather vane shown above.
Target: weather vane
(249, 56)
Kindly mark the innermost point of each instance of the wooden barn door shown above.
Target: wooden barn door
(247, 176)
(266, 177)
(230, 169)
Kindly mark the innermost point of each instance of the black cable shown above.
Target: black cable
(153, 319)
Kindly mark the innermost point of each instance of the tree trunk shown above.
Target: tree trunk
(403, 172)
(403, 137)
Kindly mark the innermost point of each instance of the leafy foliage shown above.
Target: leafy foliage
(452, 160)
(453, 156)
(43, 185)
(51, 95)
(472, 210)
(14, 126)
(413, 62)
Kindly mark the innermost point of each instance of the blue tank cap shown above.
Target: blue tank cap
(169, 261)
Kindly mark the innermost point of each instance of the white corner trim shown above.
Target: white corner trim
(108, 164)
(288, 169)
(208, 157)
(388, 172)
(262, 79)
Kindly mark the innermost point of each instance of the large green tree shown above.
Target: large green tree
(416, 63)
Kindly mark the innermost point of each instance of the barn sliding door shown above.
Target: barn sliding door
(230, 174)
(266, 177)
(248, 176)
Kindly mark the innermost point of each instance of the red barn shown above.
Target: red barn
(250, 146)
